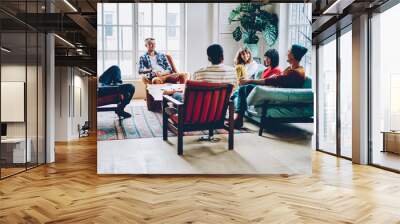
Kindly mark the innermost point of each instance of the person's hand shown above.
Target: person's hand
(243, 82)
(158, 74)
(169, 92)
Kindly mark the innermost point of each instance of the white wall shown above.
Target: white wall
(207, 23)
(71, 102)
(198, 29)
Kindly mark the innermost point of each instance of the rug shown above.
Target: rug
(143, 124)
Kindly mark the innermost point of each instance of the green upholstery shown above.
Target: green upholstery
(273, 95)
(307, 83)
(282, 102)
(260, 71)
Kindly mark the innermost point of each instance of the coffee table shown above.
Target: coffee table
(154, 94)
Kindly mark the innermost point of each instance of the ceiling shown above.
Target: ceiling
(328, 16)
(74, 22)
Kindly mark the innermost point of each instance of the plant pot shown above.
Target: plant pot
(253, 48)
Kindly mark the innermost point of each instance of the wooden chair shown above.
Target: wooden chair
(108, 97)
(153, 105)
(204, 108)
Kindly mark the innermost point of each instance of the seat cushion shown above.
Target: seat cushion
(109, 99)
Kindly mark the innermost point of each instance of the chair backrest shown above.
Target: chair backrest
(206, 103)
(171, 63)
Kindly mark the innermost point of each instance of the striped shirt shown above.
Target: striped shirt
(216, 74)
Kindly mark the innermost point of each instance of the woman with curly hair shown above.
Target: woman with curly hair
(245, 66)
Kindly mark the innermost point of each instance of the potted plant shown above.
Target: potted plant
(254, 19)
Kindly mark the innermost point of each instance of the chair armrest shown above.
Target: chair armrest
(172, 100)
(260, 94)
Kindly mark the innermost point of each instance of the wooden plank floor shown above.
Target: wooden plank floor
(70, 191)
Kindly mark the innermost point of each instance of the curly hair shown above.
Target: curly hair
(238, 58)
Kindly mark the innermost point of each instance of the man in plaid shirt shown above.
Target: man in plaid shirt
(155, 68)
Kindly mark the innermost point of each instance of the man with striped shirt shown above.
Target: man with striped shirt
(217, 72)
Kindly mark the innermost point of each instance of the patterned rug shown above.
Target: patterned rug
(143, 124)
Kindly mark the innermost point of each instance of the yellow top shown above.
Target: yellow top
(241, 73)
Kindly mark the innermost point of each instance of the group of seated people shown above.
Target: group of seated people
(155, 68)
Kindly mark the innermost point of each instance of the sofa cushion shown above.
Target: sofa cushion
(307, 83)
(274, 95)
(283, 111)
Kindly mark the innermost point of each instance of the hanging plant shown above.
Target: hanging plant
(253, 20)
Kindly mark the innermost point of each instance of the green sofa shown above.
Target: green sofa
(286, 105)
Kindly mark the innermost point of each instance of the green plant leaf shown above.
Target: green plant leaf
(250, 37)
(270, 34)
(234, 15)
(254, 19)
(237, 34)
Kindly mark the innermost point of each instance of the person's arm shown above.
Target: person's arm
(166, 65)
(251, 81)
(142, 68)
(291, 78)
(194, 76)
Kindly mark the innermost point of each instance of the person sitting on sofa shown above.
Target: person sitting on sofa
(112, 77)
(217, 72)
(292, 77)
(245, 66)
(155, 68)
(271, 61)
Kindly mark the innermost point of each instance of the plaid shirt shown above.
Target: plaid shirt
(145, 63)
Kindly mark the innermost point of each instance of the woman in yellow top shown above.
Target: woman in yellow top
(245, 66)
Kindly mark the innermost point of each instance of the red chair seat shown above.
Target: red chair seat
(204, 108)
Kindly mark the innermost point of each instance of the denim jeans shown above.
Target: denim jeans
(239, 98)
(111, 83)
(111, 76)
(178, 96)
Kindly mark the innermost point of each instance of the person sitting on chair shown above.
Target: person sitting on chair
(217, 72)
(112, 77)
(155, 68)
(292, 77)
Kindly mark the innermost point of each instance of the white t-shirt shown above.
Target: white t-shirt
(155, 66)
(252, 68)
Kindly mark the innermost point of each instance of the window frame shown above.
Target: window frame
(300, 24)
(136, 52)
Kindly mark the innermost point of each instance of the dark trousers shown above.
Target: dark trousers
(111, 83)
(127, 90)
(239, 98)
(111, 76)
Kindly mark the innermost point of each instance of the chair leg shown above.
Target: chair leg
(180, 130)
(262, 120)
(165, 120)
(180, 143)
(210, 133)
(165, 127)
(260, 131)
(231, 127)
